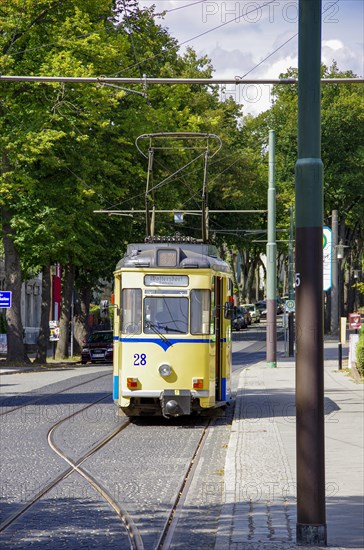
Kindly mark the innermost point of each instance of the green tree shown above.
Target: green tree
(42, 126)
(342, 113)
(69, 149)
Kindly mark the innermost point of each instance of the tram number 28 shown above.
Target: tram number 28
(140, 359)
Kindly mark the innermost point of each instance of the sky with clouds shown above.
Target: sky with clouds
(237, 35)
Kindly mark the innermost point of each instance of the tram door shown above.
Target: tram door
(219, 312)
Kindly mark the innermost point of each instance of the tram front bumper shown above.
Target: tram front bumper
(175, 402)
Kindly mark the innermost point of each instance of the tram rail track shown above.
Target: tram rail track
(135, 539)
(173, 516)
(168, 532)
(170, 525)
(75, 466)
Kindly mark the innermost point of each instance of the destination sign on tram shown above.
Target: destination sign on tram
(166, 280)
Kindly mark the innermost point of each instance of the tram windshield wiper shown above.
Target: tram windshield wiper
(169, 329)
(154, 328)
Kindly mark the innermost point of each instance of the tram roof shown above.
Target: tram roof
(187, 255)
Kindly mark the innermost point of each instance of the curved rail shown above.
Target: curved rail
(133, 534)
(135, 539)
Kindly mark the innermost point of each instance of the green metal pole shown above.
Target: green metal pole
(290, 285)
(311, 514)
(271, 260)
(290, 256)
(335, 318)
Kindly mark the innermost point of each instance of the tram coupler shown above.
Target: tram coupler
(175, 402)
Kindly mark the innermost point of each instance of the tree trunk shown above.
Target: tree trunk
(250, 279)
(261, 264)
(16, 349)
(64, 322)
(82, 310)
(249, 260)
(43, 339)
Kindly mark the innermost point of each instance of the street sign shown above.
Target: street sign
(327, 258)
(53, 331)
(354, 321)
(5, 298)
(290, 305)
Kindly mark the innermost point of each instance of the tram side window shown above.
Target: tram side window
(200, 311)
(131, 304)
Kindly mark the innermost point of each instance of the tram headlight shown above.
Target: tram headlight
(165, 370)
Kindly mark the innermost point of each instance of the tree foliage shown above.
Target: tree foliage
(342, 131)
(69, 149)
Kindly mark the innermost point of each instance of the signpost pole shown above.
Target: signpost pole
(271, 260)
(334, 326)
(290, 285)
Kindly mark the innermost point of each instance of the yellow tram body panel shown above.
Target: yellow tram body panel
(174, 361)
(187, 363)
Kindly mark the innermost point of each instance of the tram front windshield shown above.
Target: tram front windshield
(165, 315)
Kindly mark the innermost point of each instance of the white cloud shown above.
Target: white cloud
(230, 62)
(335, 50)
(332, 44)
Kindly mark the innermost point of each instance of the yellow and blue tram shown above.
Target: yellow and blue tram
(172, 329)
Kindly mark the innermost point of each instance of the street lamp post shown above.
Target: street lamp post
(339, 257)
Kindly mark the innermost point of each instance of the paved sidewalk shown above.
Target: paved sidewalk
(259, 510)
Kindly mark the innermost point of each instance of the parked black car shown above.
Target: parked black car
(98, 347)
(241, 318)
(239, 322)
(262, 306)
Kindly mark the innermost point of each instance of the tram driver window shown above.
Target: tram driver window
(200, 311)
(131, 304)
(165, 315)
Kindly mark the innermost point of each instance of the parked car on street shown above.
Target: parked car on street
(241, 318)
(238, 322)
(246, 315)
(262, 307)
(98, 347)
(253, 312)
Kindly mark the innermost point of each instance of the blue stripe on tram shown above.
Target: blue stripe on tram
(164, 344)
(223, 389)
(115, 393)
